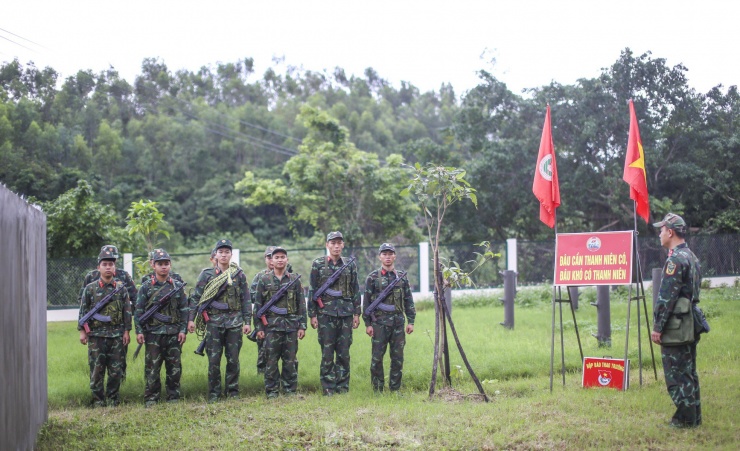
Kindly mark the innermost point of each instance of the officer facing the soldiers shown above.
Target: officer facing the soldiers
(338, 316)
(108, 332)
(386, 325)
(673, 326)
(286, 324)
(164, 333)
(121, 275)
(261, 359)
(229, 316)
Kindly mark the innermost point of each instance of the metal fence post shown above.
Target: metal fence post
(604, 315)
(424, 268)
(508, 300)
(574, 297)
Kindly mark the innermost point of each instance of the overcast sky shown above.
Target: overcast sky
(426, 43)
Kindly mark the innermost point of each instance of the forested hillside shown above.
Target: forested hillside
(285, 155)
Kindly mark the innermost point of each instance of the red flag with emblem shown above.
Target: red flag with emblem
(634, 169)
(545, 186)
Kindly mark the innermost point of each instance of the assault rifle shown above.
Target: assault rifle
(154, 312)
(325, 288)
(378, 302)
(270, 305)
(215, 304)
(93, 313)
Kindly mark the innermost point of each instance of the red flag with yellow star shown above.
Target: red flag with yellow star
(634, 169)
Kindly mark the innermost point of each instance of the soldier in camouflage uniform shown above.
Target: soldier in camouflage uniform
(173, 275)
(681, 279)
(106, 339)
(340, 314)
(387, 329)
(229, 317)
(282, 332)
(261, 359)
(164, 334)
(121, 275)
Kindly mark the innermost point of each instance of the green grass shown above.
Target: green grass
(513, 364)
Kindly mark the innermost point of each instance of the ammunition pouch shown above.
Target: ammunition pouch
(679, 328)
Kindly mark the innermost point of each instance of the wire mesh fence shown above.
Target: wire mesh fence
(719, 256)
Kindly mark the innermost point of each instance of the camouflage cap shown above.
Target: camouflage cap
(277, 249)
(223, 243)
(107, 254)
(672, 221)
(334, 236)
(160, 254)
(386, 247)
(110, 248)
(269, 250)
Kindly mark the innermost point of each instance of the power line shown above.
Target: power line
(18, 36)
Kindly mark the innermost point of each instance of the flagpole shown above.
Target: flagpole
(552, 338)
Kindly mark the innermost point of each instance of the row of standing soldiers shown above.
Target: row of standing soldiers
(220, 309)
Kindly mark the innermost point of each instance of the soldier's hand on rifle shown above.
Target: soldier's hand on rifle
(126, 338)
(301, 333)
(369, 330)
(356, 322)
(191, 327)
(181, 337)
(246, 329)
(409, 328)
(314, 322)
(140, 338)
(261, 335)
(83, 337)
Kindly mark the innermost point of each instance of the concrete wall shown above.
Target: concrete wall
(23, 371)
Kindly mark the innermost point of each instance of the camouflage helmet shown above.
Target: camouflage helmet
(386, 247)
(277, 249)
(334, 235)
(107, 254)
(113, 250)
(223, 243)
(269, 250)
(159, 255)
(672, 221)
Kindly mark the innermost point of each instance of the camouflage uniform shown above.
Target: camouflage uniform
(335, 321)
(161, 337)
(223, 331)
(105, 350)
(281, 332)
(681, 278)
(261, 359)
(124, 277)
(388, 327)
(173, 275)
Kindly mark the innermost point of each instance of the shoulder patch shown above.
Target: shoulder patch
(670, 268)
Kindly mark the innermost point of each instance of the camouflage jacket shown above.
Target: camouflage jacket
(401, 297)
(119, 309)
(348, 303)
(681, 278)
(177, 308)
(255, 281)
(121, 275)
(236, 296)
(267, 285)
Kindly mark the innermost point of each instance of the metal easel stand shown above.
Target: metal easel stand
(639, 295)
(558, 298)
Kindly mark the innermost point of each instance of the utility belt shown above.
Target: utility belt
(218, 307)
(679, 328)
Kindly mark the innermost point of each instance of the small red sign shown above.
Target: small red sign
(605, 372)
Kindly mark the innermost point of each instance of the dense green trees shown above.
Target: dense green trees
(185, 139)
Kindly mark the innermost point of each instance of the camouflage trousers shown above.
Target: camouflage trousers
(280, 345)
(261, 358)
(105, 354)
(335, 338)
(162, 348)
(229, 343)
(682, 381)
(388, 332)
